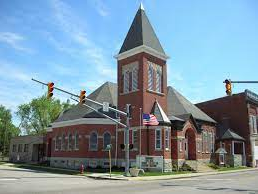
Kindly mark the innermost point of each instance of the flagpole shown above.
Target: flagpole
(140, 142)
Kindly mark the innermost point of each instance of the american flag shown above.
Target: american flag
(149, 119)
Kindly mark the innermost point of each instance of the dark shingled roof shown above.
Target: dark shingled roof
(105, 93)
(221, 151)
(141, 33)
(178, 105)
(229, 134)
(160, 114)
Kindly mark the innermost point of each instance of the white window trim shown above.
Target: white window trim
(96, 149)
(180, 145)
(156, 139)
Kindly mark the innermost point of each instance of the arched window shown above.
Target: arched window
(150, 77)
(159, 79)
(63, 143)
(126, 82)
(135, 79)
(106, 140)
(59, 142)
(76, 141)
(94, 141)
(70, 141)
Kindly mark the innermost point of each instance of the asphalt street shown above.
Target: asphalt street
(14, 180)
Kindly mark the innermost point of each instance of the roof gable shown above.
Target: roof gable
(105, 93)
(141, 33)
(229, 134)
(159, 113)
(179, 105)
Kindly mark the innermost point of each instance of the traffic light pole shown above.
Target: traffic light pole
(127, 155)
(127, 159)
(243, 82)
(87, 99)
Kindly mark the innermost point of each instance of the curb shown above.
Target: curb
(167, 177)
(151, 178)
(108, 178)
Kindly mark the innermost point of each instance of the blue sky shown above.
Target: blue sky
(72, 43)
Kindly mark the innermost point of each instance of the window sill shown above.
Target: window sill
(158, 149)
(93, 150)
(154, 92)
(124, 93)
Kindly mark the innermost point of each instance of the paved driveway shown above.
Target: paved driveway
(14, 180)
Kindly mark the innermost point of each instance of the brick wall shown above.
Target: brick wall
(235, 110)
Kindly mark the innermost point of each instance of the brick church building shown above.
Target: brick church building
(184, 133)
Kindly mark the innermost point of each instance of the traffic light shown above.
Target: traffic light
(50, 86)
(82, 97)
(228, 87)
(129, 109)
(122, 146)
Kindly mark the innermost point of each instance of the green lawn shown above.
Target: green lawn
(2, 163)
(232, 168)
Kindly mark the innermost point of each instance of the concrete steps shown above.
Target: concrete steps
(199, 166)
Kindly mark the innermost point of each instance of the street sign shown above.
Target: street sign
(105, 106)
(109, 146)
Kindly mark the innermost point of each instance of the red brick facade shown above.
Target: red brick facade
(234, 112)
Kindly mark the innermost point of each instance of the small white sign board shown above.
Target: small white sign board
(256, 152)
(105, 106)
(150, 162)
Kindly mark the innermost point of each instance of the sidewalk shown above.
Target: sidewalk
(163, 177)
(107, 176)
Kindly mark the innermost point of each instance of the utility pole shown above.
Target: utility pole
(127, 155)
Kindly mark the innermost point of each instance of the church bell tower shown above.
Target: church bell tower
(142, 69)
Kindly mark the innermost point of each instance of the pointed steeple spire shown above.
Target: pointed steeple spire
(141, 6)
(141, 33)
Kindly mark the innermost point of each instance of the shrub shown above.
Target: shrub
(214, 166)
(185, 167)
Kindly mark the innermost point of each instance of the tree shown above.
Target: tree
(38, 114)
(7, 129)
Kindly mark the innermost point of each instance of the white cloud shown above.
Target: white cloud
(14, 40)
(9, 71)
(101, 8)
(71, 24)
